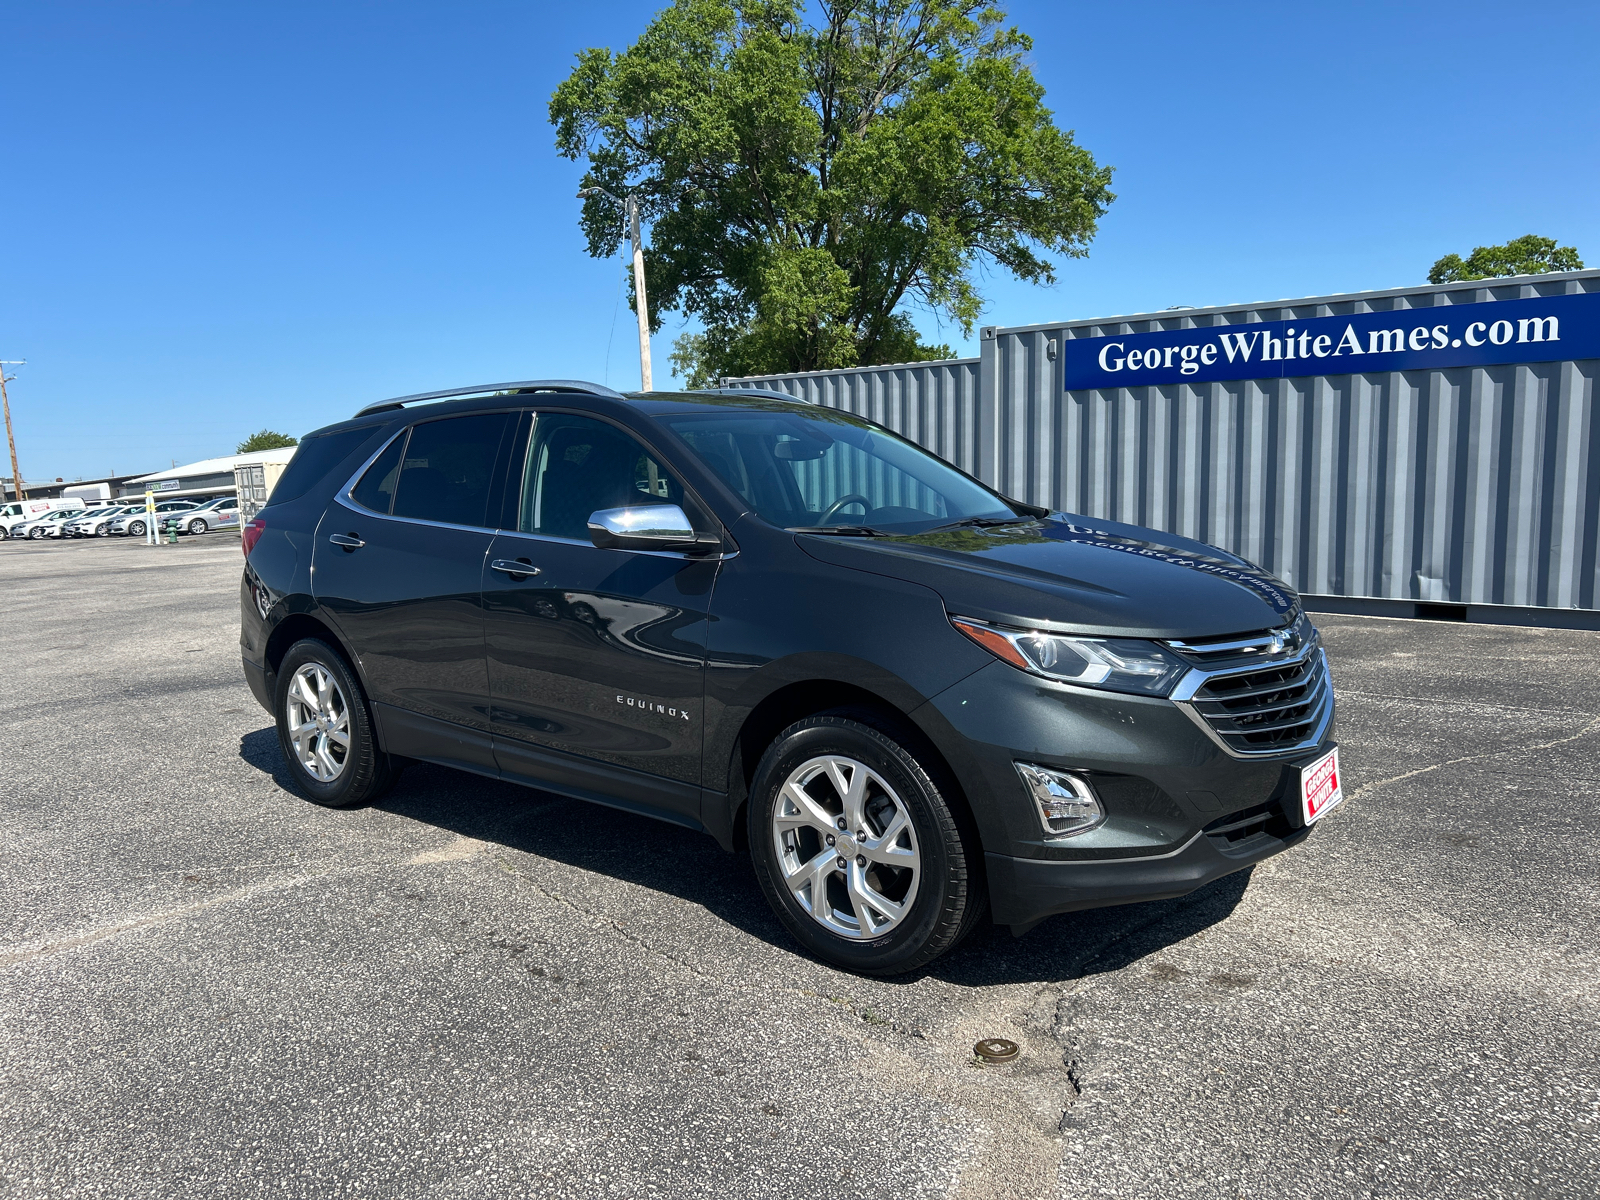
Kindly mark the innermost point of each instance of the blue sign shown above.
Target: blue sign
(1544, 329)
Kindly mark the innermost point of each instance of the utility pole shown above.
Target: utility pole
(630, 215)
(11, 439)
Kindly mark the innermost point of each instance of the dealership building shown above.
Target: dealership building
(209, 477)
(1430, 451)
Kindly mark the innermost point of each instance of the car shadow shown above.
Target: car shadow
(683, 863)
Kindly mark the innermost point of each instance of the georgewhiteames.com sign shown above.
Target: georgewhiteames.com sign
(1545, 329)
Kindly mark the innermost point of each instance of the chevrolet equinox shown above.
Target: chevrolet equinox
(914, 700)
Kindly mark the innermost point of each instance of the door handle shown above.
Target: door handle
(348, 540)
(518, 568)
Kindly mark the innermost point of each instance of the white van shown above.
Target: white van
(18, 511)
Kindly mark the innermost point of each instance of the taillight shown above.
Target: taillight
(251, 534)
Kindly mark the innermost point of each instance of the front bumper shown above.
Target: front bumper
(1181, 810)
(1024, 891)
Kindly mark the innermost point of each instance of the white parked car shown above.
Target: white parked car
(96, 521)
(136, 523)
(49, 525)
(20, 512)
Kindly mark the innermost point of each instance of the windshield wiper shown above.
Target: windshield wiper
(841, 530)
(979, 523)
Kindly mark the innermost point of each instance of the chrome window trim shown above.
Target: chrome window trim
(343, 494)
(344, 498)
(1183, 697)
(549, 539)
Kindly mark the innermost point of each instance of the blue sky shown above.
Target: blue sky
(219, 217)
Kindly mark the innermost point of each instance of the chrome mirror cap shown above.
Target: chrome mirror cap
(645, 527)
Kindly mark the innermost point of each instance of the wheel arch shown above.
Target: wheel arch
(296, 627)
(805, 698)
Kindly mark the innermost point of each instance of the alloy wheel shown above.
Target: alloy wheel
(318, 717)
(847, 847)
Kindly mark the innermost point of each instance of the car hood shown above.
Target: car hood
(1077, 573)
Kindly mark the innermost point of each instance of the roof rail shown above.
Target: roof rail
(525, 387)
(769, 393)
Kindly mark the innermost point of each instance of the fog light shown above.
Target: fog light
(1067, 804)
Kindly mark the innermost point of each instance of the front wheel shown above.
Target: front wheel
(36, 533)
(857, 846)
(325, 729)
(136, 529)
(197, 525)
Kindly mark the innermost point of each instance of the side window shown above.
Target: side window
(577, 466)
(375, 490)
(448, 469)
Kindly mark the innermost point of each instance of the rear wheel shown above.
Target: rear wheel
(857, 847)
(325, 729)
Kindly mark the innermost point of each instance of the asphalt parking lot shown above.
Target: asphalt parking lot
(209, 987)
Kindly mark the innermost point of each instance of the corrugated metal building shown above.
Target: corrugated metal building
(209, 477)
(1453, 461)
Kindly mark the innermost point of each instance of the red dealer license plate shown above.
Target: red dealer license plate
(1320, 789)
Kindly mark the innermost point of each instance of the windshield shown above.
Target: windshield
(826, 469)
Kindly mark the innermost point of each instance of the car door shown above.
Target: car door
(396, 568)
(596, 657)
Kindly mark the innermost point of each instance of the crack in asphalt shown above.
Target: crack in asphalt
(29, 952)
(1368, 789)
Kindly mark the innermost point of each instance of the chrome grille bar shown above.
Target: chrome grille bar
(1262, 710)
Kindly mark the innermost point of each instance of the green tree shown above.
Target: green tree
(266, 440)
(1528, 255)
(807, 181)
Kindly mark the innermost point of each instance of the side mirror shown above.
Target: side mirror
(646, 527)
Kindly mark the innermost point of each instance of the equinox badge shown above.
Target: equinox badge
(652, 706)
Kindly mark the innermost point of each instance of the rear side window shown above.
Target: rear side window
(314, 458)
(376, 488)
(441, 471)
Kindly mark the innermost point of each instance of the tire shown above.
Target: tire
(328, 774)
(198, 525)
(914, 879)
(135, 528)
(36, 533)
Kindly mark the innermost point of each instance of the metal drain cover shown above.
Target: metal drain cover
(996, 1050)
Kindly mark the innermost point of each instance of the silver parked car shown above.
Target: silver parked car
(221, 513)
(136, 524)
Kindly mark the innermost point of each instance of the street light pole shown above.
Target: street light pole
(11, 440)
(638, 291)
(630, 216)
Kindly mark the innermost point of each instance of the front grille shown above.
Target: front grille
(1268, 710)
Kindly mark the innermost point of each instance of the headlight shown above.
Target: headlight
(1112, 664)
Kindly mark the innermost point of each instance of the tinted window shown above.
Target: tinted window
(799, 468)
(375, 490)
(448, 468)
(576, 466)
(314, 458)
